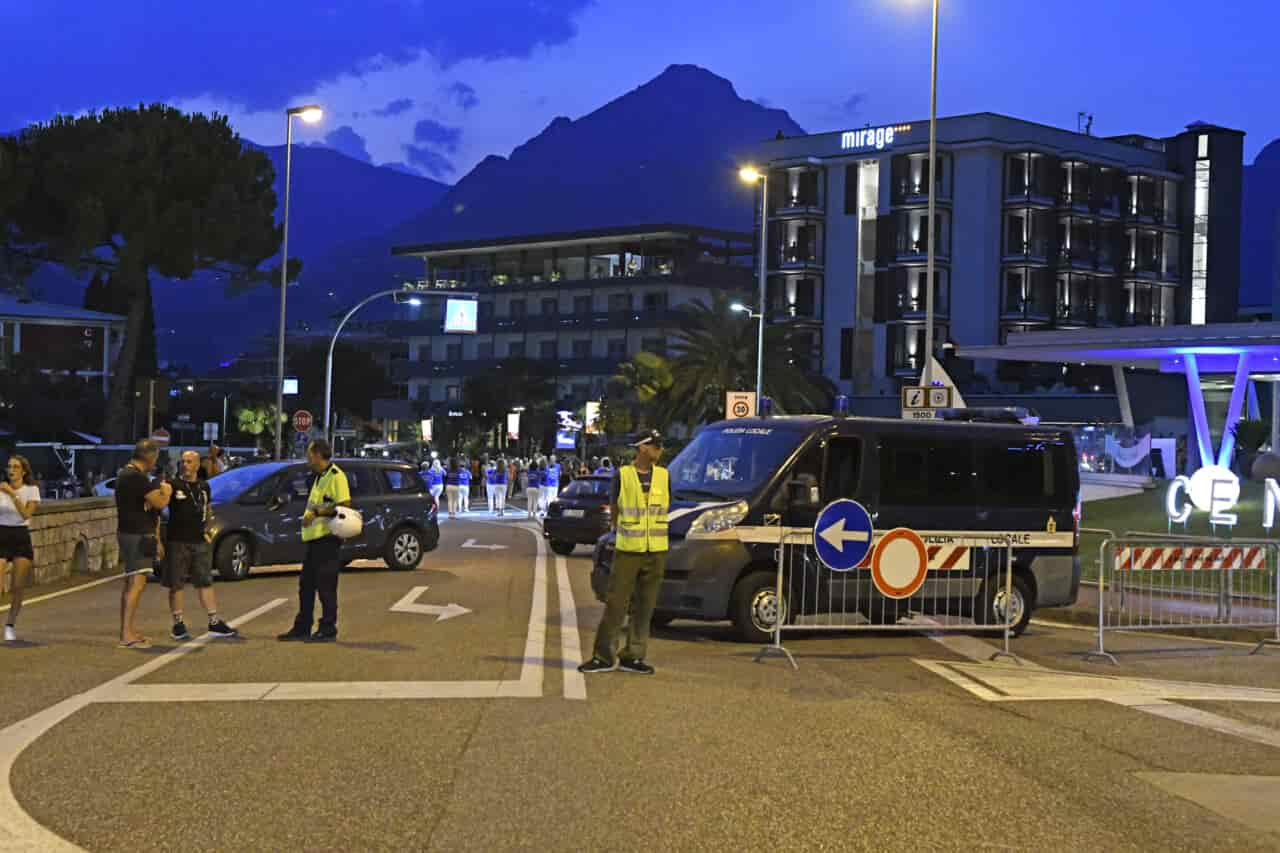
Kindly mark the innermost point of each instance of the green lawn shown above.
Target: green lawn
(1145, 513)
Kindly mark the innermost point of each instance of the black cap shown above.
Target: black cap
(648, 436)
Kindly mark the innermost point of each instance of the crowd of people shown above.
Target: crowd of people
(455, 481)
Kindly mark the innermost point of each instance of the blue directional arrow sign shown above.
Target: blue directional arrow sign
(842, 535)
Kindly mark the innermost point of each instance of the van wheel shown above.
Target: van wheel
(403, 550)
(755, 608)
(233, 559)
(562, 547)
(993, 602)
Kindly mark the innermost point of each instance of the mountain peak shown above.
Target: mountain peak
(686, 76)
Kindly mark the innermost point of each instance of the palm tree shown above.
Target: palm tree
(646, 382)
(715, 352)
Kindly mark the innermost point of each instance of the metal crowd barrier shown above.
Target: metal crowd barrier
(956, 595)
(1157, 584)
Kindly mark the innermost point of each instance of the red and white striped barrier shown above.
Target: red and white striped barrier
(1176, 559)
(942, 558)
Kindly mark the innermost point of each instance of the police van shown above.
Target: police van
(740, 484)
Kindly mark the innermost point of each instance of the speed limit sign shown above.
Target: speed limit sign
(739, 404)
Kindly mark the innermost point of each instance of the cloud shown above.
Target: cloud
(429, 160)
(399, 105)
(436, 134)
(402, 167)
(70, 60)
(346, 141)
(463, 95)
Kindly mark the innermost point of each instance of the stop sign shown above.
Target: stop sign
(302, 420)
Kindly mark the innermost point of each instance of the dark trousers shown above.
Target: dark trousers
(319, 575)
(634, 585)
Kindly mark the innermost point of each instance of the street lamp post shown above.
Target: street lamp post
(310, 114)
(750, 174)
(759, 317)
(933, 185)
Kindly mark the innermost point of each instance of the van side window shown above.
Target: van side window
(807, 470)
(1021, 473)
(844, 465)
(931, 473)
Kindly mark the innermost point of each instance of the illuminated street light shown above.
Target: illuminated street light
(751, 175)
(310, 113)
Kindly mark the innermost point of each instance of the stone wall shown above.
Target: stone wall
(72, 537)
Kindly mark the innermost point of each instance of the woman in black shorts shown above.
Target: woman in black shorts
(19, 496)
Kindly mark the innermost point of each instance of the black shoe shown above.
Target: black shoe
(323, 637)
(639, 667)
(294, 635)
(218, 628)
(597, 664)
(180, 631)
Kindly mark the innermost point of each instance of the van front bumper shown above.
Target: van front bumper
(698, 579)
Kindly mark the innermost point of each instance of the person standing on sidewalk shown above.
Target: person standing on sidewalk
(323, 560)
(533, 489)
(139, 501)
(550, 484)
(500, 487)
(19, 497)
(464, 487)
(188, 556)
(640, 502)
(489, 481)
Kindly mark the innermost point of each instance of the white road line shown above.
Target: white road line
(1213, 722)
(575, 685)
(18, 831)
(967, 646)
(90, 585)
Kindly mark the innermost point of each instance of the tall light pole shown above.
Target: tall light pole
(933, 185)
(311, 114)
(750, 174)
(759, 317)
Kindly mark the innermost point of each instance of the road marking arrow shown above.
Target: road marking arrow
(836, 535)
(409, 604)
(471, 543)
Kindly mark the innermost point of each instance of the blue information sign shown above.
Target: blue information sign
(842, 535)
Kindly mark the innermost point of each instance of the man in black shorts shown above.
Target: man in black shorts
(139, 501)
(187, 553)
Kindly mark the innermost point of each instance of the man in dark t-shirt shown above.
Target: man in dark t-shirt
(139, 501)
(188, 556)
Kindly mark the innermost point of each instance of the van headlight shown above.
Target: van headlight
(718, 520)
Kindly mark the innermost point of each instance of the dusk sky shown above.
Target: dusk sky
(441, 85)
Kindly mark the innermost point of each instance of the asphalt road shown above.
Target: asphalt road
(475, 733)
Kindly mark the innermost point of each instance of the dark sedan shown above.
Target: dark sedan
(257, 515)
(579, 515)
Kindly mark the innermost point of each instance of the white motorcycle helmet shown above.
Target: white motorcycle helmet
(347, 524)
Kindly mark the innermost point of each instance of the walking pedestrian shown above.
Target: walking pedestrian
(19, 497)
(322, 561)
(550, 483)
(533, 491)
(452, 485)
(187, 555)
(139, 501)
(490, 484)
(500, 487)
(435, 481)
(639, 503)
(464, 487)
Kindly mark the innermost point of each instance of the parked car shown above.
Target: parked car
(257, 515)
(579, 515)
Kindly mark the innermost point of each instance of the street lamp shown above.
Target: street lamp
(310, 113)
(751, 175)
(933, 186)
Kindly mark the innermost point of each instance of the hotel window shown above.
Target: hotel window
(453, 353)
(619, 302)
(486, 311)
(582, 348)
(518, 309)
(550, 307)
(1200, 246)
(547, 350)
(420, 391)
(515, 349)
(656, 301)
(618, 349)
(582, 305)
(484, 350)
(453, 393)
(846, 353)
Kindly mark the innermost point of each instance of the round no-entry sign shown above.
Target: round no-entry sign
(302, 420)
(900, 563)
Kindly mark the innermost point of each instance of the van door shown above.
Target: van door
(925, 483)
(1024, 483)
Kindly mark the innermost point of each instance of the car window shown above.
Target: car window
(401, 481)
(844, 462)
(930, 472)
(1022, 473)
(588, 489)
(361, 481)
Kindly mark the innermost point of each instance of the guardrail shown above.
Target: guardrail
(964, 585)
(1149, 583)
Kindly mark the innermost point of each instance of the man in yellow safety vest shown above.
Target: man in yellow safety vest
(640, 503)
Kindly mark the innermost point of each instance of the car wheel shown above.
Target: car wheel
(234, 558)
(994, 602)
(404, 549)
(755, 607)
(562, 547)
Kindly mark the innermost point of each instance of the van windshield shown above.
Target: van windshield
(730, 462)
